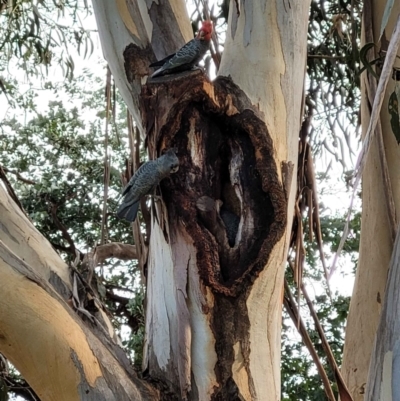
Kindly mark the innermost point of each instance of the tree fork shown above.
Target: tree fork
(227, 202)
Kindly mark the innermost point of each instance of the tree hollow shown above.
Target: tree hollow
(227, 191)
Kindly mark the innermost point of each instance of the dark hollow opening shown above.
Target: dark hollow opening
(228, 175)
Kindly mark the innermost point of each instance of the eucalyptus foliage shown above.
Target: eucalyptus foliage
(38, 33)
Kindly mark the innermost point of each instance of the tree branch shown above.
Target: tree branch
(95, 350)
(342, 387)
(114, 250)
(102, 252)
(117, 298)
(20, 387)
(291, 308)
(117, 287)
(10, 189)
(325, 57)
(132, 321)
(61, 248)
(19, 176)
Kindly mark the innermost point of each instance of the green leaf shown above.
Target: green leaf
(373, 62)
(363, 58)
(386, 15)
(394, 111)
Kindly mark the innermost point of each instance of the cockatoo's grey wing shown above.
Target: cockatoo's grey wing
(185, 55)
(162, 62)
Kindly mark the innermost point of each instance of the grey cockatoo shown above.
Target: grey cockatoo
(144, 181)
(187, 56)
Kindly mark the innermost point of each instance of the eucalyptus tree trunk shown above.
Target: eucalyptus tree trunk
(384, 370)
(377, 234)
(219, 236)
(63, 354)
(214, 297)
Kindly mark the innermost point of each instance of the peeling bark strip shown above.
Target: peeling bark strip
(227, 192)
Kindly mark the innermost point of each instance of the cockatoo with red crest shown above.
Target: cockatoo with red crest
(188, 56)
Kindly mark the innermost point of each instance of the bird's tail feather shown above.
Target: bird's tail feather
(162, 62)
(157, 73)
(128, 212)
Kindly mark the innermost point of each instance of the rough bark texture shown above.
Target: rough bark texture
(61, 355)
(225, 154)
(376, 241)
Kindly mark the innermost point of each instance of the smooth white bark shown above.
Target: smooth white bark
(179, 341)
(384, 371)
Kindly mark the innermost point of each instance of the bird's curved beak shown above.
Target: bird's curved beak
(174, 169)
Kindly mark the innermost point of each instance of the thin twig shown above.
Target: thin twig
(325, 57)
(291, 308)
(343, 390)
(106, 178)
(19, 387)
(114, 113)
(315, 222)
